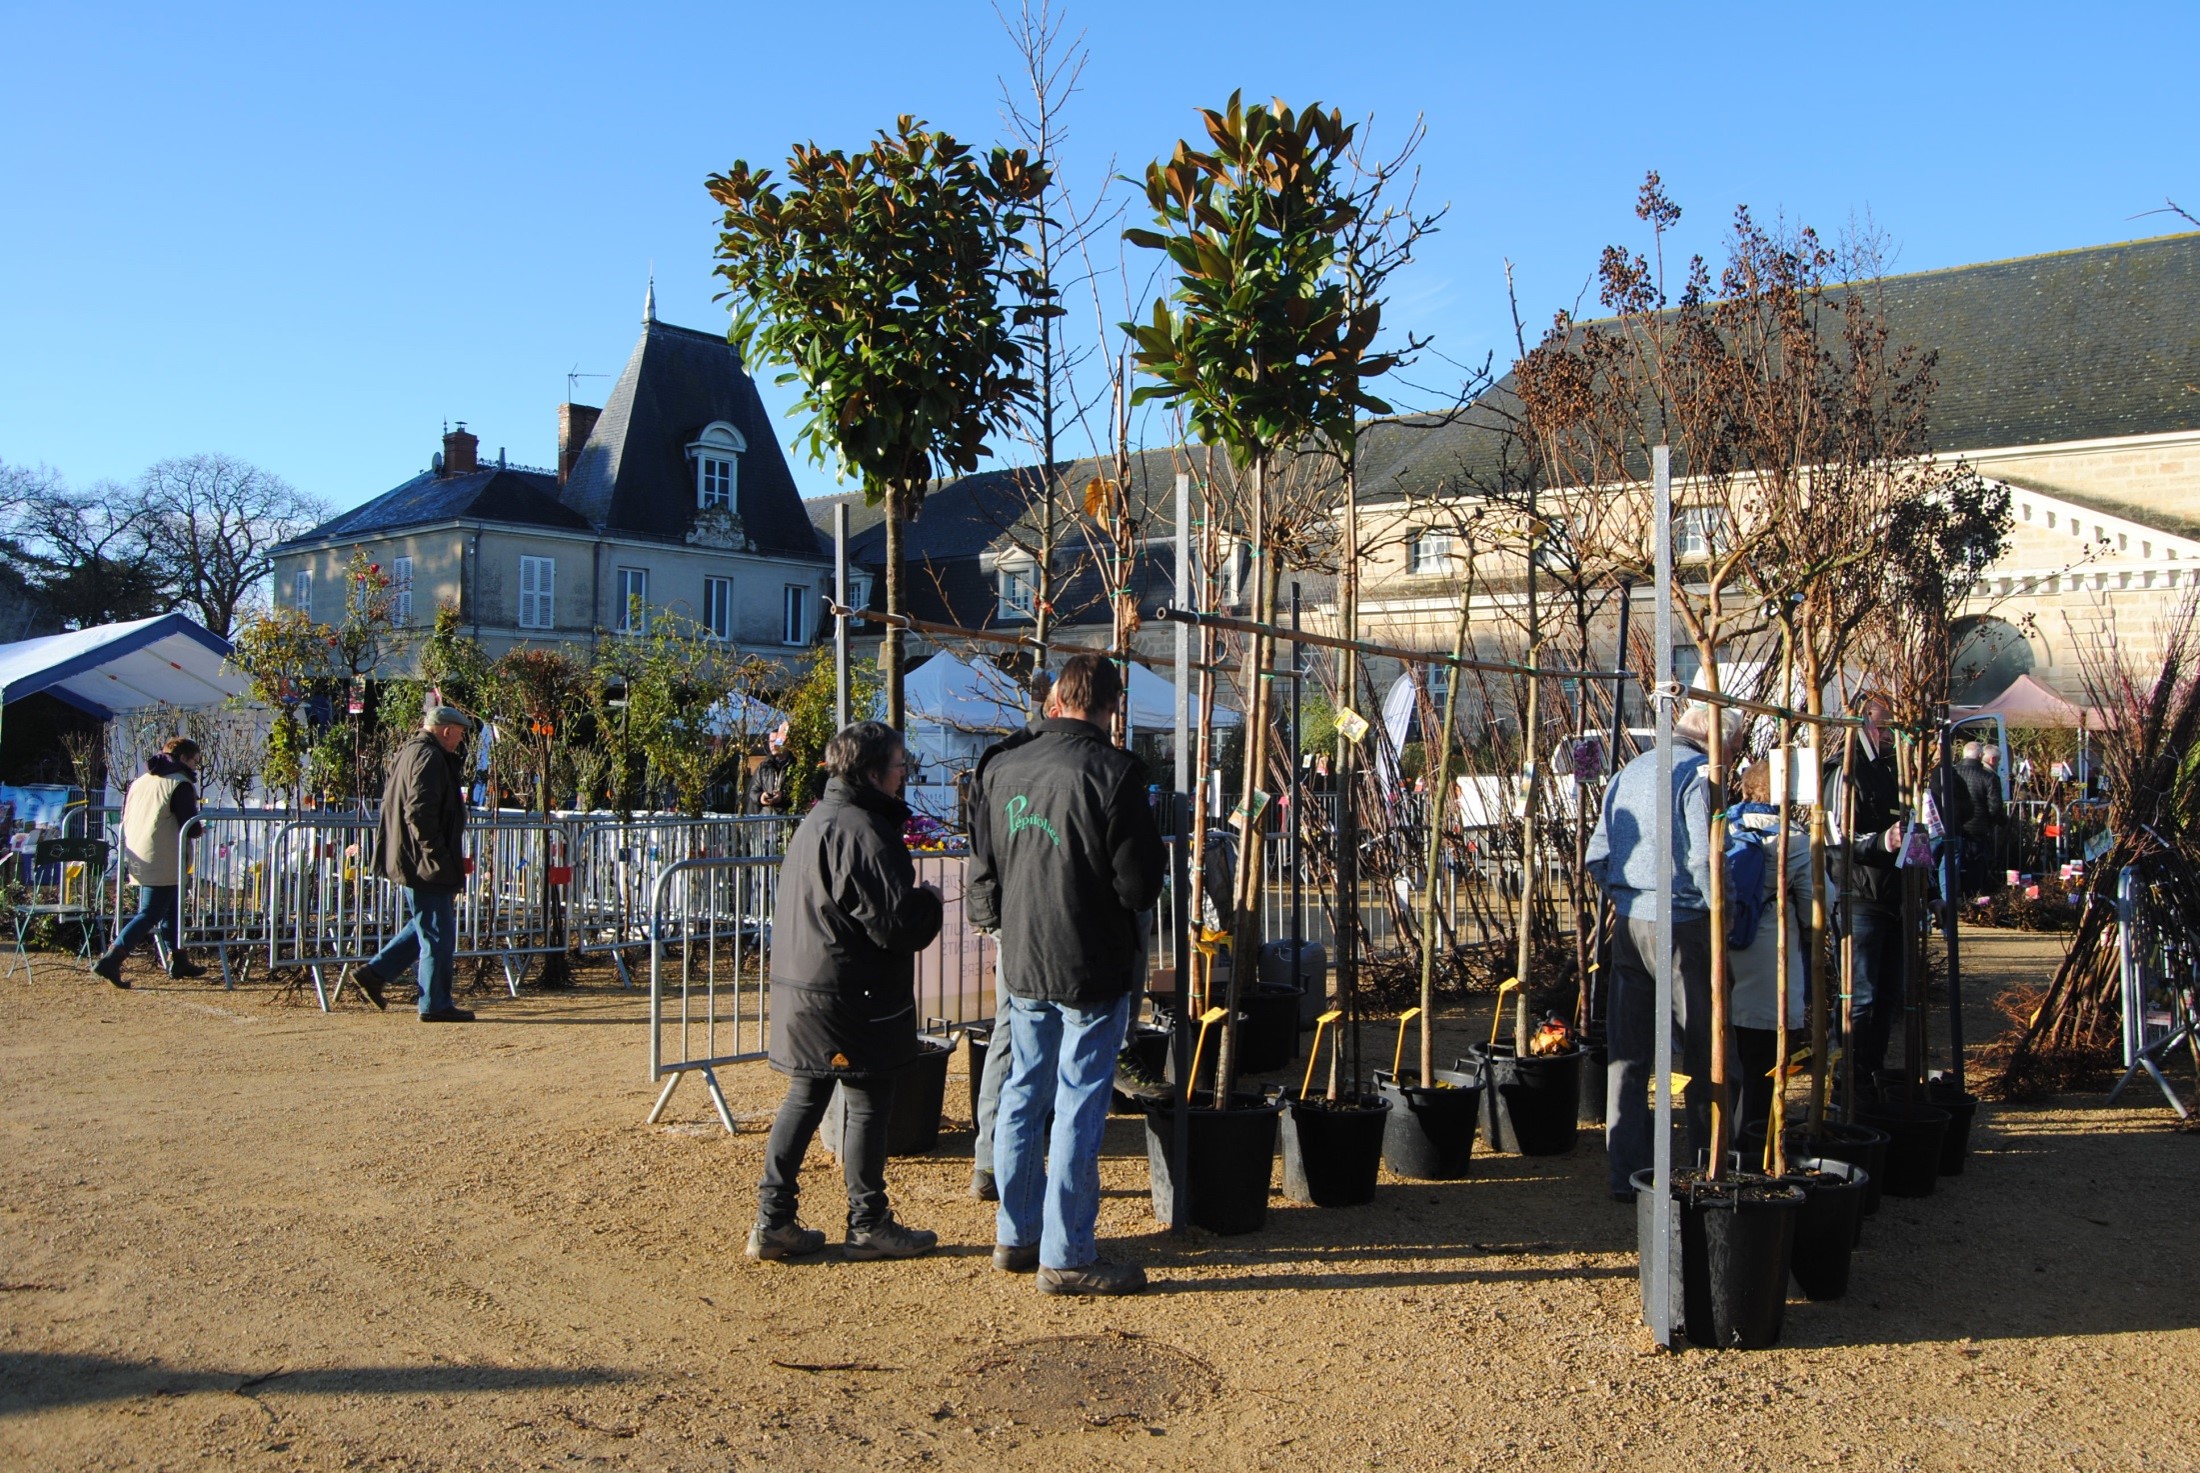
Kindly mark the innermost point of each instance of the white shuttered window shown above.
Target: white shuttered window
(538, 580)
(401, 592)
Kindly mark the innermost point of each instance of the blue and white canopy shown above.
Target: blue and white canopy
(166, 661)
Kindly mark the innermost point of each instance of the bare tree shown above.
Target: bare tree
(210, 524)
(84, 552)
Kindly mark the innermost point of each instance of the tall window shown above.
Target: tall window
(1697, 529)
(301, 592)
(401, 592)
(538, 587)
(795, 615)
(1018, 596)
(633, 601)
(1428, 553)
(716, 453)
(718, 607)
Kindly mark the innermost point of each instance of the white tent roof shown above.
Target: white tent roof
(169, 660)
(740, 714)
(978, 696)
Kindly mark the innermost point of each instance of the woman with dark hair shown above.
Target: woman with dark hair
(850, 920)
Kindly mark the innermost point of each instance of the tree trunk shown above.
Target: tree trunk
(1245, 918)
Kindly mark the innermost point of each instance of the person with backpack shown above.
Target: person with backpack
(1625, 864)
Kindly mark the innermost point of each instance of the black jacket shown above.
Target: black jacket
(849, 924)
(1064, 855)
(1987, 808)
(1868, 865)
(423, 833)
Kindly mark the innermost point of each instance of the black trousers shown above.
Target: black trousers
(862, 1147)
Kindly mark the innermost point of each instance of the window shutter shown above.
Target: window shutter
(546, 594)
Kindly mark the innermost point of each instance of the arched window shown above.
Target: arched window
(716, 453)
(1985, 654)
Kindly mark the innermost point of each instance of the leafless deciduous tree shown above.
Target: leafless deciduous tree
(82, 552)
(209, 524)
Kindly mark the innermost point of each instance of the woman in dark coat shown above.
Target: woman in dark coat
(850, 920)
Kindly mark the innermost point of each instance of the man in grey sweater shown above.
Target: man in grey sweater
(1625, 864)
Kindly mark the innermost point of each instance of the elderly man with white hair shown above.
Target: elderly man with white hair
(1625, 863)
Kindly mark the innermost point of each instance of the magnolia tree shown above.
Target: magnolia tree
(894, 285)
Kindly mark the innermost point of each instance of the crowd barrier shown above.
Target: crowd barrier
(709, 927)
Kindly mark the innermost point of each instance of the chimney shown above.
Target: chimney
(574, 423)
(458, 451)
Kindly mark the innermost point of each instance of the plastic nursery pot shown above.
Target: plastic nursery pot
(1429, 1133)
(1268, 1039)
(1859, 1145)
(1149, 1044)
(1826, 1228)
(979, 1036)
(1232, 1153)
(1943, 1093)
(1737, 1239)
(1332, 1151)
(1596, 1071)
(920, 1089)
(1915, 1134)
(1528, 1105)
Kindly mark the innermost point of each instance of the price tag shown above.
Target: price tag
(1351, 725)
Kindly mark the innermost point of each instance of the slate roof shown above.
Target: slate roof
(489, 494)
(633, 475)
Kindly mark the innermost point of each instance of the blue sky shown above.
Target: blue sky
(307, 235)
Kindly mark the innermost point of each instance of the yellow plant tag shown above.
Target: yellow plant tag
(1214, 1015)
(1408, 1015)
(1212, 943)
(1331, 1016)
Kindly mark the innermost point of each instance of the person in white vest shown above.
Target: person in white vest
(157, 807)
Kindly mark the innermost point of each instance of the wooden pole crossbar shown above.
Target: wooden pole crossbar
(1022, 641)
(1391, 651)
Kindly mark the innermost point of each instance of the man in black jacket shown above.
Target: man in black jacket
(1872, 842)
(1064, 855)
(423, 844)
(1982, 835)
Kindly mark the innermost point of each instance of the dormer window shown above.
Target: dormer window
(716, 454)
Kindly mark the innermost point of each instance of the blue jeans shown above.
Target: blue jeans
(1878, 998)
(431, 936)
(156, 912)
(1050, 1187)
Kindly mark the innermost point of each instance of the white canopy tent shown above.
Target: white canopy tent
(165, 661)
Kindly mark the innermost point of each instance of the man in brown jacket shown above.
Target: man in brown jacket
(423, 844)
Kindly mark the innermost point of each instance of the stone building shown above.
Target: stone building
(674, 496)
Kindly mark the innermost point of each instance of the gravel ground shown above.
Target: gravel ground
(237, 1233)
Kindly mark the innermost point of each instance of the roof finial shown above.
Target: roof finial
(649, 297)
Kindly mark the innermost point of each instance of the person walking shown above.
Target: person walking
(160, 802)
(423, 846)
(1625, 864)
(1982, 835)
(850, 921)
(1064, 856)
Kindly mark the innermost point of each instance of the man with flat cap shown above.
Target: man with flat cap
(423, 848)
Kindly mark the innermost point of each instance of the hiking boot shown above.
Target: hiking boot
(1015, 1260)
(1133, 1078)
(889, 1240)
(982, 1186)
(371, 986)
(769, 1245)
(180, 965)
(447, 1015)
(1096, 1277)
(110, 967)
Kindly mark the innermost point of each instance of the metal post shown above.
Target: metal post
(1180, 1040)
(1185, 598)
(1600, 976)
(1952, 887)
(841, 714)
(1658, 1272)
(1298, 826)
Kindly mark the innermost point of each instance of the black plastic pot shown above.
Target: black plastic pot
(1333, 1152)
(980, 1038)
(1232, 1153)
(1826, 1228)
(920, 1089)
(1915, 1135)
(1596, 1061)
(1942, 1093)
(1429, 1133)
(1268, 1039)
(1859, 1145)
(1737, 1242)
(1528, 1105)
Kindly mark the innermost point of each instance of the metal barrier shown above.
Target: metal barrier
(614, 865)
(709, 937)
(223, 884)
(2160, 971)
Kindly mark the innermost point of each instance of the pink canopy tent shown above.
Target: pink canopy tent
(2029, 702)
